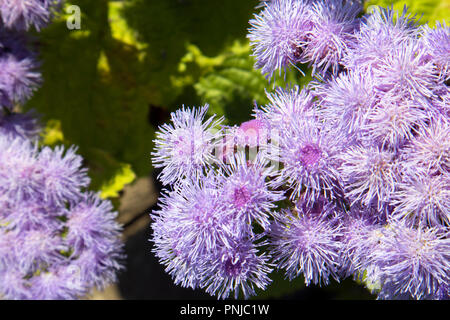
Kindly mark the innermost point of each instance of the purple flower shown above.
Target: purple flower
(22, 14)
(430, 148)
(370, 175)
(285, 105)
(308, 154)
(56, 284)
(346, 99)
(381, 32)
(185, 147)
(98, 266)
(62, 175)
(362, 231)
(437, 45)
(277, 34)
(333, 25)
(405, 73)
(423, 198)
(91, 224)
(236, 269)
(19, 172)
(245, 190)
(391, 123)
(30, 215)
(307, 243)
(48, 224)
(412, 262)
(199, 215)
(13, 285)
(252, 133)
(168, 247)
(37, 249)
(18, 79)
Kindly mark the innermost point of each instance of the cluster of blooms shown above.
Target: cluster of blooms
(57, 240)
(349, 176)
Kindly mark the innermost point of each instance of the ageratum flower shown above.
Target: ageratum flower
(381, 32)
(284, 107)
(333, 25)
(237, 269)
(168, 246)
(245, 190)
(23, 14)
(406, 73)
(430, 148)
(370, 175)
(391, 123)
(18, 70)
(185, 148)
(422, 197)
(48, 175)
(61, 174)
(413, 262)
(308, 152)
(89, 227)
(362, 230)
(199, 215)
(278, 33)
(307, 243)
(19, 172)
(437, 45)
(346, 99)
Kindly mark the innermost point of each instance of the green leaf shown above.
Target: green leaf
(228, 82)
(52, 133)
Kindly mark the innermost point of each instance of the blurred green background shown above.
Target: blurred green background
(108, 86)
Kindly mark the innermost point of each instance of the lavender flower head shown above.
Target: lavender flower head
(307, 243)
(381, 32)
(237, 269)
(437, 45)
(246, 192)
(277, 34)
(333, 25)
(413, 263)
(285, 105)
(18, 70)
(423, 198)
(185, 147)
(309, 153)
(346, 100)
(370, 175)
(23, 14)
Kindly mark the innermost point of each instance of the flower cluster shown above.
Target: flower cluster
(19, 74)
(208, 231)
(57, 240)
(360, 155)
